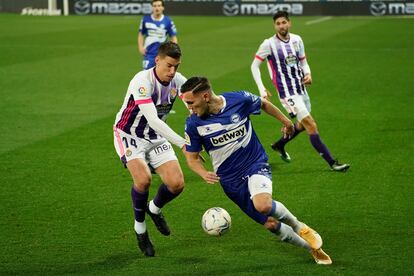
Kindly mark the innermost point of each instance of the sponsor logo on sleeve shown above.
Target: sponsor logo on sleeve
(142, 91)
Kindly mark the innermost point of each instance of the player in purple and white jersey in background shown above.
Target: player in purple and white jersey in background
(221, 125)
(154, 29)
(140, 139)
(290, 72)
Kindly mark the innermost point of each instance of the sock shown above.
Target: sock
(163, 196)
(283, 141)
(140, 227)
(321, 148)
(286, 234)
(153, 208)
(280, 212)
(139, 203)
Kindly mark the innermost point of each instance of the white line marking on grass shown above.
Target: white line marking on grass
(322, 19)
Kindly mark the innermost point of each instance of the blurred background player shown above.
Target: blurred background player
(140, 138)
(290, 72)
(154, 29)
(221, 125)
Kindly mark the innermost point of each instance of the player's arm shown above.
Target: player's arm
(255, 68)
(307, 79)
(195, 163)
(141, 47)
(275, 112)
(148, 109)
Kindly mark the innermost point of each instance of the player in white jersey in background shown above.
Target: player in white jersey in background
(290, 72)
(221, 125)
(140, 138)
(154, 29)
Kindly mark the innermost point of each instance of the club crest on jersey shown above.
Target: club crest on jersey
(128, 152)
(235, 118)
(173, 92)
(229, 136)
(142, 91)
(291, 60)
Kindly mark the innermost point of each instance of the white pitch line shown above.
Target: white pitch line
(318, 20)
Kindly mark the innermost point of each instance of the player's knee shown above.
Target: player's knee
(176, 186)
(310, 125)
(142, 185)
(263, 207)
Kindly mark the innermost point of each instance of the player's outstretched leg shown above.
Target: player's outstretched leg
(279, 145)
(323, 151)
(139, 202)
(281, 213)
(163, 196)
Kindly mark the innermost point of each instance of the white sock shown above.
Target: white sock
(287, 234)
(153, 208)
(140, 227)
(283, 214)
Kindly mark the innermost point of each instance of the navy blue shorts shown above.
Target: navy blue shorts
(237, 190)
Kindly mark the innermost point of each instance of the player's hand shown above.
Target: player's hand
(288, 129)
(211, 177)
(307, 79)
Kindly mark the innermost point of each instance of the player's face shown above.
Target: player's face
(282, 26)
(166, 67)
(157, 8)
(198, 103)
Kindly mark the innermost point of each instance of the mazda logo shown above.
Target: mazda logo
(82, 7)
(230, 8)
(378, 8)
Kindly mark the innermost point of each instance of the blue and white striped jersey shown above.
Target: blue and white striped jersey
(228, 136)
(156, 32)
(284, 63)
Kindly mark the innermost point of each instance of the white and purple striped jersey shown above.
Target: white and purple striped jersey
(284, 63)
(145, 88)
(228, 136)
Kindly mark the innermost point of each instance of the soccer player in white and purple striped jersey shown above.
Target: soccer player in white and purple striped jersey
(290, 72)
(141, 140)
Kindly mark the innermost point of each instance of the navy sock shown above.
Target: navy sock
(283, 140)
(320, 147)
(163, 196)
(139, 202)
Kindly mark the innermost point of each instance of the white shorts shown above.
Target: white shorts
(130, 147)
(297, 106)
(259, 184)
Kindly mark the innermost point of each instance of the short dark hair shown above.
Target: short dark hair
(162, 2)
(284, 14)
(170, 49)
(196, 85)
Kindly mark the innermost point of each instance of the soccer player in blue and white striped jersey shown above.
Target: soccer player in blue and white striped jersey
(290, 72)
(155, 29)
(221, 125)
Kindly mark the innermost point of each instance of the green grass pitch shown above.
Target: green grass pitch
(65, 197)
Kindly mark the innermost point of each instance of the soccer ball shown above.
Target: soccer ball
(216, 221)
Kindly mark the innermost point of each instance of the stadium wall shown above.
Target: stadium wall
(220, 7)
